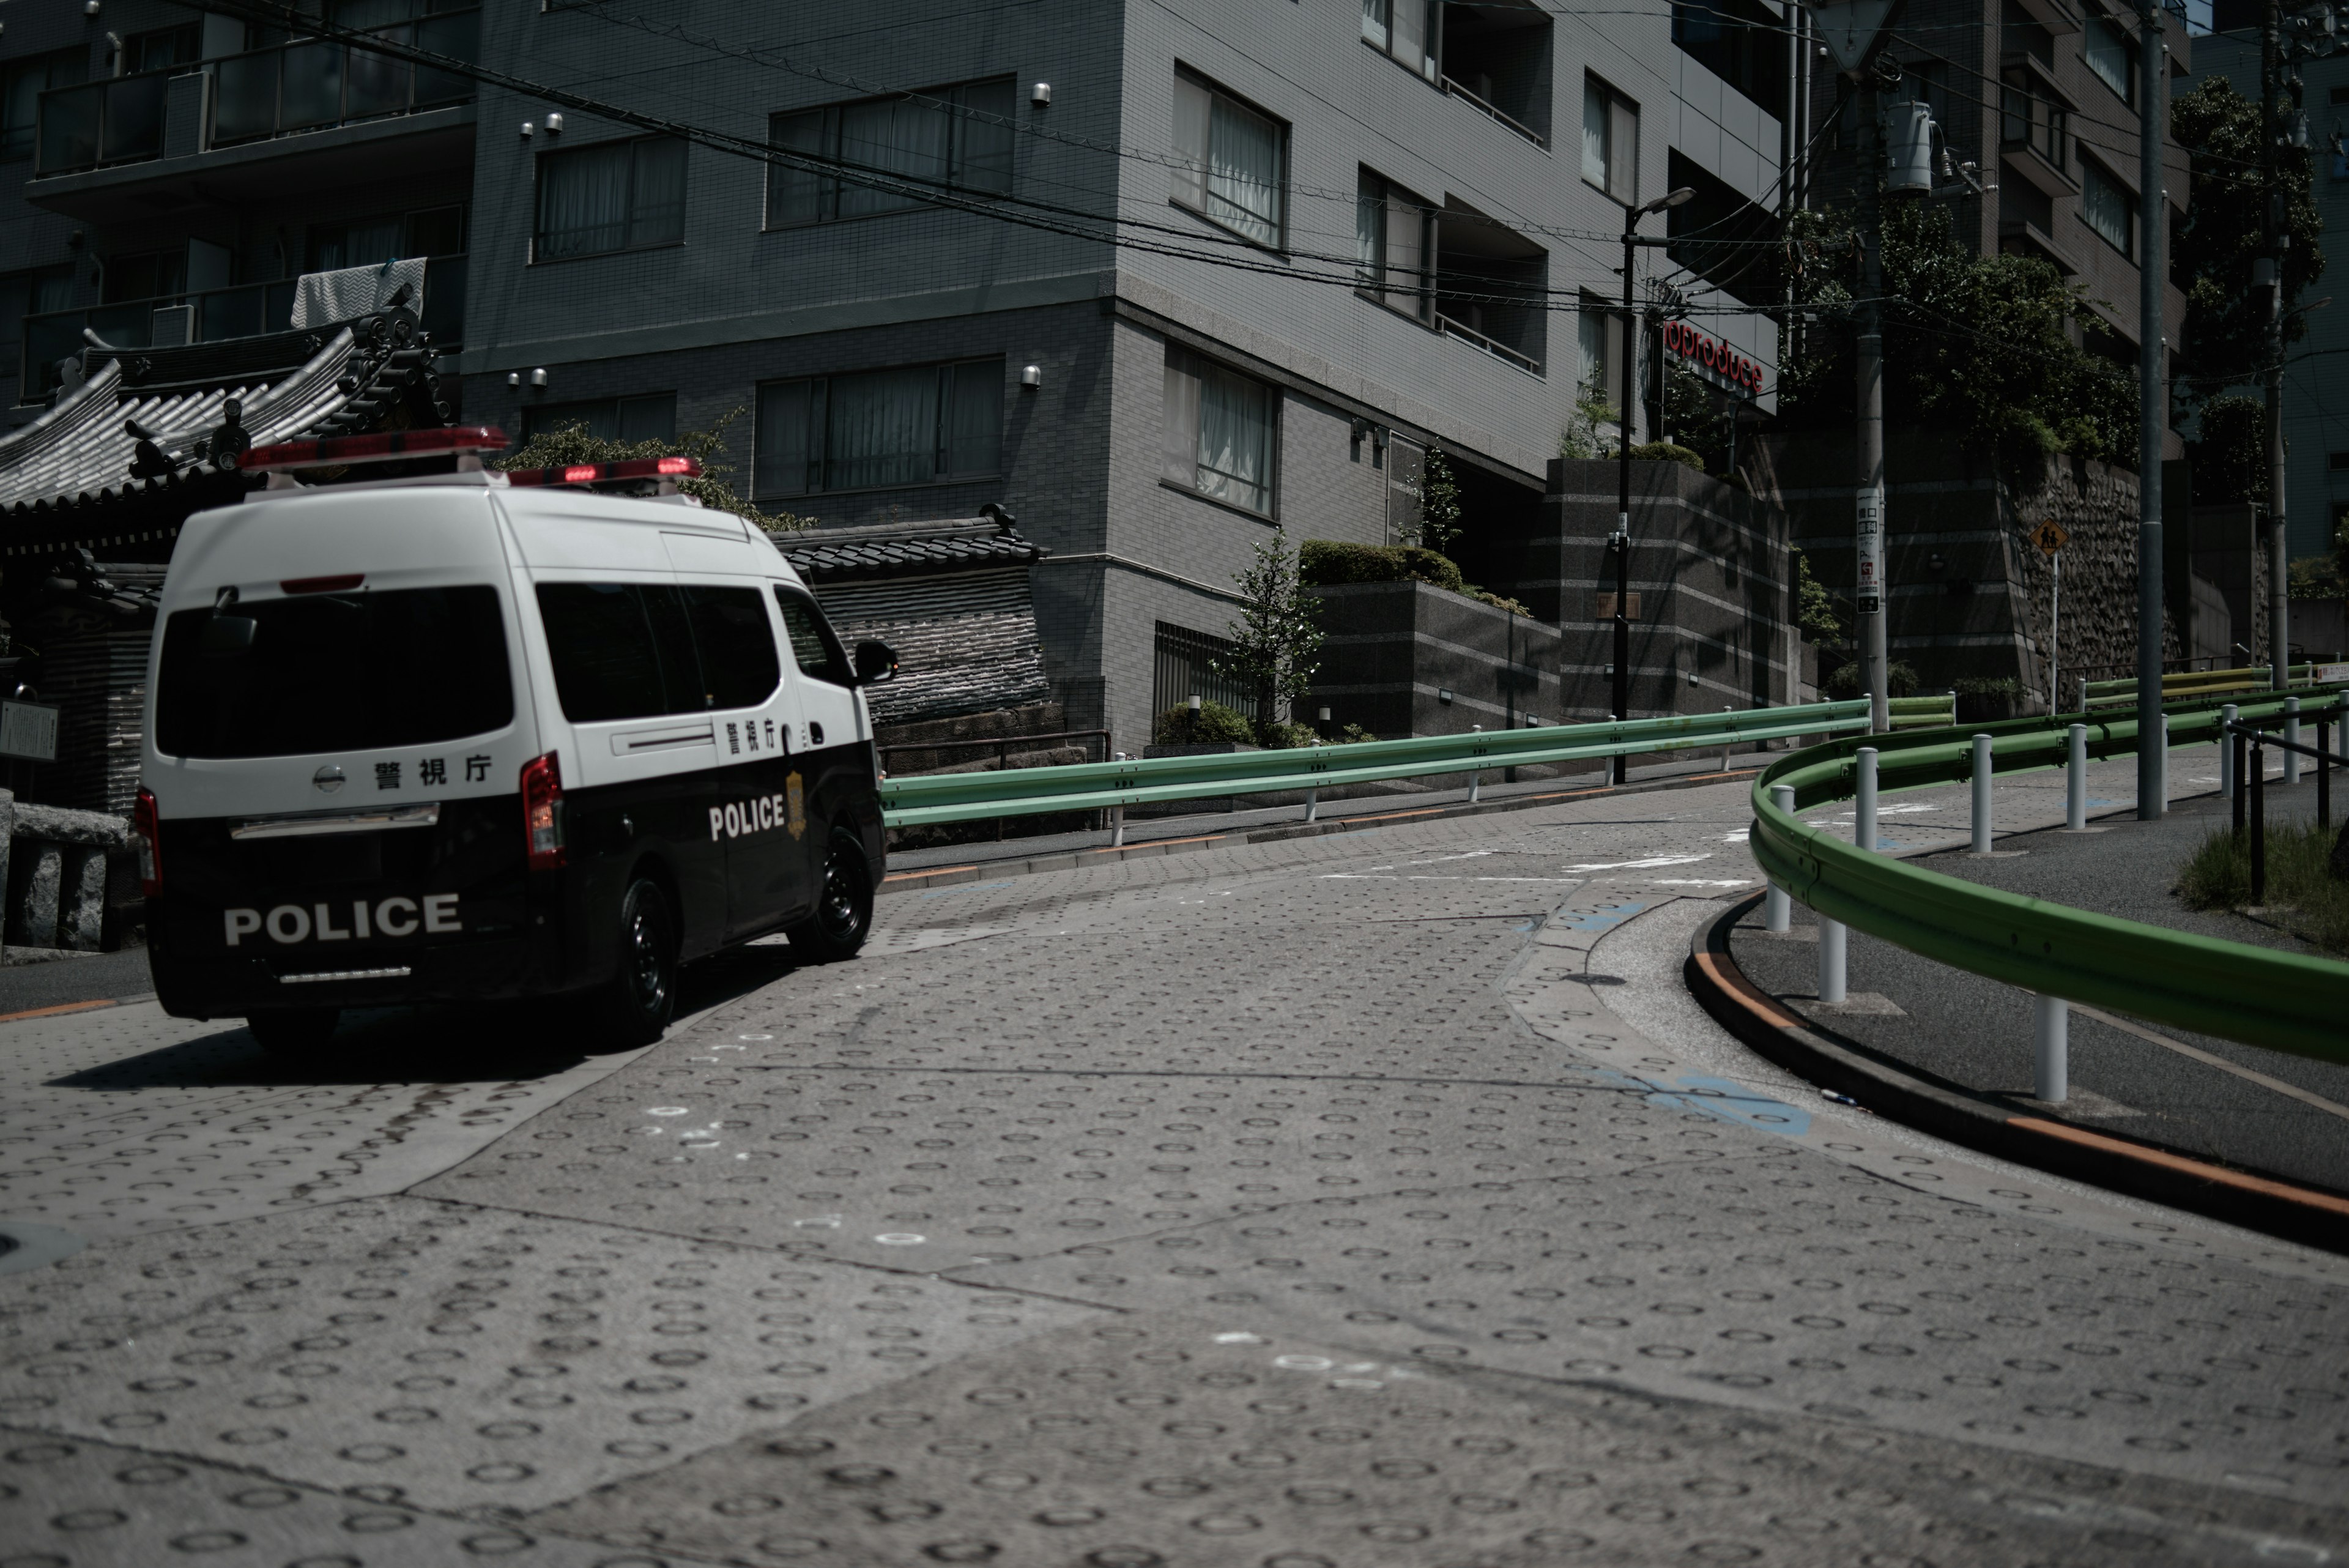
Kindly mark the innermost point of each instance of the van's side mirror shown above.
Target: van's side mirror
(876, 662)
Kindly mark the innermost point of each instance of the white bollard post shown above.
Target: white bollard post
(1725, 745)
(2075, 780)
(1981, 795)
(2226, 754)
(1476, 781)
(2165, 762)
(1117, 827)
(2051, 1064)
(2292, 733)
(1863, 800)
(1777, 908)
(1831, 960)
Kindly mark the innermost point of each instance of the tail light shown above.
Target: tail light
(542, 812)
(150, 833)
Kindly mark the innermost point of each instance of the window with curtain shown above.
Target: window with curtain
(612, 196)
(1611, 140)
(2107, 207)
(915, 424)
(1232, 163)
(1405, 30)
(647, 416)
(1594, 335)
(953, 139)
(1222, 431)
(2112, 56)
(1393, 231)
(22, 82)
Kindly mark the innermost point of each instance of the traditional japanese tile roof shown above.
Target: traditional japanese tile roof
(154, 433)
(826, 556)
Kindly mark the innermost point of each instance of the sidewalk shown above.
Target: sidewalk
(2209, 1099)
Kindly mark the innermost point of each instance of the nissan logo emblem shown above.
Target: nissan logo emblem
(329, 778)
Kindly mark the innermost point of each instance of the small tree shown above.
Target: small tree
(1592, 414)
(1439, 505)
(1814, 607)
(1278, 638)
(571, 443)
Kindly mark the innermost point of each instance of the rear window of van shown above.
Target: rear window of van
(357, 672)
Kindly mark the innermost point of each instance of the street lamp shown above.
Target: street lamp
(1621, 544)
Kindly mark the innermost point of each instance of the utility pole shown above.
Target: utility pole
(1869, 600)
(2153, 406)
(2272, 118)
(1621, 543)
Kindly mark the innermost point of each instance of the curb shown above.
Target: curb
(1066, 859)
(2310, 1216)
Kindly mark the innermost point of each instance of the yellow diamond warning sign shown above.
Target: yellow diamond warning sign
(2049, 536)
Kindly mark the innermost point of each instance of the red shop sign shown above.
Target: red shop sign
(1723, 362)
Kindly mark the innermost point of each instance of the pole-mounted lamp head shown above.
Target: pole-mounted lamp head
(1670, 198)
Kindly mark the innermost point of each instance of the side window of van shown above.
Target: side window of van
(736, 644)
(814, 646)
(621, 650)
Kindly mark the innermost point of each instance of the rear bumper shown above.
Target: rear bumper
(490, 969)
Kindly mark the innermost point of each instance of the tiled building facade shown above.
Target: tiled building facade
(1191, 270)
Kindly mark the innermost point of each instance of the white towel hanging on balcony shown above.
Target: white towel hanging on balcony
(347, 293)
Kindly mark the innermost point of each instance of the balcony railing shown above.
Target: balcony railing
(1455, 90)
(308, 85)
(246, 310)
(1475, 339)
(312, 84)
(118, 120)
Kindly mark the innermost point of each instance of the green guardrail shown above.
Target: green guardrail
(2183, 685)
(1094, 786)
(1932, 712)
(2259, 996)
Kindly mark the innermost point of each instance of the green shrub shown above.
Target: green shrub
(1325, 563)
(2302, 893)
(1986, 686)
(1213, 724)
(1844, 684)
(1666, 452)
(1498, 601)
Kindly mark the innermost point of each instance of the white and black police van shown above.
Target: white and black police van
(473, 736)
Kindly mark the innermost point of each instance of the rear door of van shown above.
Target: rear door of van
(338, 787)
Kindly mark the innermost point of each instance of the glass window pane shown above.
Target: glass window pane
(599, 419)
(815, 648)
(649, 417)
(897, 136)
(1409, 43)
(245, 97)
(458, 37)
(1193, 110)
(70, 130)
(1374, 21)
(682, 679)
(602, 648)
(974, 424)
(1236, 439)
(435, 232)
(736, 643)
(1182, 416)
(583, 200)
(983, 153)
(657, 204)
(1370, 227)
(1243, 171)
(1622, 150)
(1591, 335)
(881, 429)
(1406, 230)
(780, 462)
(313, 94)
(796, 196)
(378, 83)
(314, 679)
(1594, 134)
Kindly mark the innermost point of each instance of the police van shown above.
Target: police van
(467, 736)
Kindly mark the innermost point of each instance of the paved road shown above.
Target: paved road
(1372, 1199)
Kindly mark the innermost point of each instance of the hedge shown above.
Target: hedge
(1323, 563)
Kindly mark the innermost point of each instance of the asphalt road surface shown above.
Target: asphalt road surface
(1380, 1199)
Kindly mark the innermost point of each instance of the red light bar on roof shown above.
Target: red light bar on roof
(598, 473)
(387, 446)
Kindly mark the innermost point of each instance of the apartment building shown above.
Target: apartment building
(2316, 405)
(1155, 278)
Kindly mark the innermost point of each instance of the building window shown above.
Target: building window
(944, 139)
(369, 242)
(24, 294)
(613, 196)
(22, 82)
(648, 416)
(2027, 120)
(1222, 431)
(1741, 43)
(1391, 239)
(1598, 344)
(164, 48)
(2106, 206)
(1232, 163)
(2112, 55)
(1611, 140)
(1405, 30)
(916, 424)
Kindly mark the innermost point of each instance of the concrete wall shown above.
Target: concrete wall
(1711, 567)
(1408, 659)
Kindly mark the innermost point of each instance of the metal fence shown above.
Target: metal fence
(1185, 669)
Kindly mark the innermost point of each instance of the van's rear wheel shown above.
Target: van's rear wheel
(294, 1032)
(844, 903)
(639, 1001)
